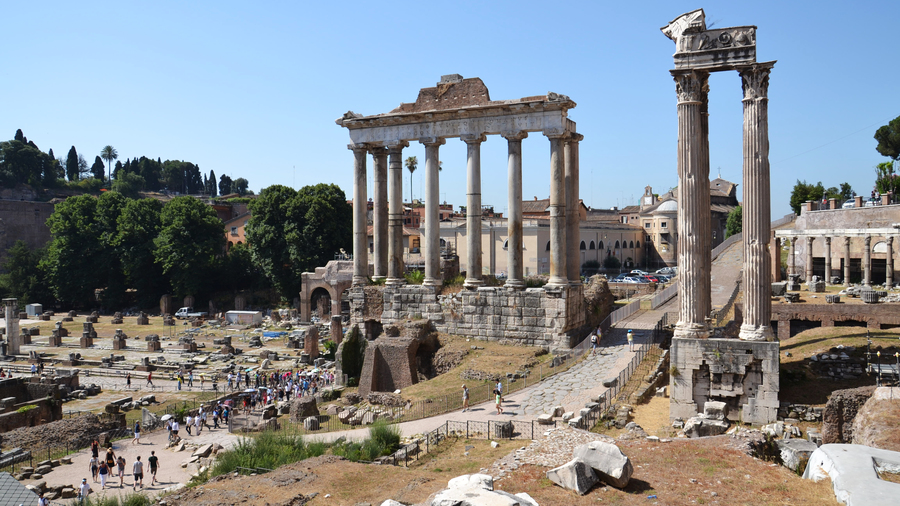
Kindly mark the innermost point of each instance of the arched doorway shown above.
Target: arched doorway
(321, 302)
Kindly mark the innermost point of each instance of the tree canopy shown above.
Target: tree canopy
(888, 137)
(734, 223)
(804, 191)
(190, 237)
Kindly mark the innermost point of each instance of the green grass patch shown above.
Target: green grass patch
(268, 450)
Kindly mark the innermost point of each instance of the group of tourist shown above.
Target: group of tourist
(103, 468)
(287, 380)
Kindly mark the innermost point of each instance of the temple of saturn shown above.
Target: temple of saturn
(551, 316)
(743, 372)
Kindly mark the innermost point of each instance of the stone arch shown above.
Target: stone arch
(631, 244)
(582, 247)
(592, 245)
(880, 247)
(600, 245)
(637, 244)
(320, 301)
(617, 245)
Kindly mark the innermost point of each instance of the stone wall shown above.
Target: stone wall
(876, 316)
(743, 374)
(26, 221)
(840, 410)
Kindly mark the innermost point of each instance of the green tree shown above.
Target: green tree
(112, 277)
(266, 233)
(72, 164)
(803, 192)
(109, 154)
(72, 261)
(225, 185)
(411, 165)
(847, 192)
(734, 223)
(240, 186)
(83, 168)
(885, 179)
(211, 184)
(190, 238)
(98, 170)
(888, 138)
(21, 162)
(23, 277)
(323, 225)
(128, 184)
(138, 225)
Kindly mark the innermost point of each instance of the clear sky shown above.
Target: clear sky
(252, 89)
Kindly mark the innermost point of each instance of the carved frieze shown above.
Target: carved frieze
(713, 50)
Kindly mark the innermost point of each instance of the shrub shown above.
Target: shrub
(269, 450)
(415, 277)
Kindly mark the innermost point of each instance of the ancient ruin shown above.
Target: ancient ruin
(744, 375)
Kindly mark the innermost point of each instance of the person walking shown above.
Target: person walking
(630, 340)
(593, 343)
(188, 421)
(120, 468)
(93, 465)
(198, 423)
(104, 473)
(465, 398)
(95, 448)
(43, 501)
(154, 465)
(149, 379)
(137, 433)
(84, 490)
(138, 470)
(128, 380)
(499, 399)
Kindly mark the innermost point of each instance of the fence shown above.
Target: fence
(725, 244)
(787, 218)
(664, 296)
(619, 315)
(721, 314)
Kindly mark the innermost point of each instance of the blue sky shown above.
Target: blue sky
(252, 89)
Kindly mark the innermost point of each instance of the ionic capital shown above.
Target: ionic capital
(433, 141)
(396, 147)
(376, 150)
(890, 240)
(575, 138)
(810, 239)
(828, 241)
(514, 135)
(691, 87)
(755, 80)
(358, 148)
(556, 133)
(473, 138)
(847, 241)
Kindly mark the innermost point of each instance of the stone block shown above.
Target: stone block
(715, 410)
(779, 289)
(501, 430)
(311, 423)
(702, 427)
(557, 411)
(545, 419)
(608, 462)
(573, 475)
(575, 422)
(203, 452)
(795, 451)
(568, 415)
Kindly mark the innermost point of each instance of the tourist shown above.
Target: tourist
(593, 343)
(95, 448)
(33, 369)
(120, 467)
(465, 398)
(93, 466)
(154, 464)
(198, 421)
(149, 379)
(138, 471)
(175, 428)
(84, 490)
(179, 378)
(104, 472)
(128, 380)
(630, 340)
(43, 501)
(137, 433)
(499, 399)
(191, 379)
(188, 421)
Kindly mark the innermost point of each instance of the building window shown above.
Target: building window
(631, 244)
(638, 245)
(234, 231)
(548, 245)
(600, 246)
(592, 245)
(582, 247)
(617, 245)
(647, 225)
(663, 225)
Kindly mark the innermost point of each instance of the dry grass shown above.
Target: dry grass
(684, 472)
(653, 417)
(449, 459)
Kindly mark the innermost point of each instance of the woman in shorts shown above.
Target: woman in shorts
(95, 466)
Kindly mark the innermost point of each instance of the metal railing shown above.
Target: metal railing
(721, 314)
(664, 296)
(620, 314)
(725, 244)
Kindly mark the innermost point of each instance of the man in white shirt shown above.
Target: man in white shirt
(84, 489)
(138, 469)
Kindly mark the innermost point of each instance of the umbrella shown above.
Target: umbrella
(249, 390)
(165, 418)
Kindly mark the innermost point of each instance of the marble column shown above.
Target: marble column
(515, 262)
(13, 335)
(693, 208)
(395, 215)
(432, 243)
(889, 263)
(775, 255)
(828, 260)
(809, 258)
(847, 261)
(558, 272)
(360, 205)
(473, 210)
(573, 215)
(757, 217)
(867, 261)
(380, 211)
(792, 253)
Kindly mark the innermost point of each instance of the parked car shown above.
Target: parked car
(639, 272)
(619, 279)
(188, 312)
(652, 278)
(667, 270)
(631, 279)
(848, 205)
(871, 203)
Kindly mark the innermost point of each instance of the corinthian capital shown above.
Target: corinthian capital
(755, 80)
(691, 86)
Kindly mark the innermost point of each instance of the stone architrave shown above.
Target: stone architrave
(889, 263)
(395, 214)
(693, 203)
(473, 210)
(757, 215)
(380, 211)
(828, 260)
(846, 261)
(867, 261)
(432, 243)
(558, 270)
(573, 216)
(809, 258)
(515, 276)
(360, 243)
(12, 325)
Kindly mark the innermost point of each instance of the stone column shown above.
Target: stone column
(558, 272)
(757, 217)
(432, 243)
(889, 263)
(775, 256)
(867, 261)
(693, 208)
(809, 258)
(828, 260)
(13, 338)
(380, 212)
(360, 203)
(395, 214)
(515, 263)
(847, 261)
(573, 231)
(792, 253)
(473, 210)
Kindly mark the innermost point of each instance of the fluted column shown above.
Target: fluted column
(395, 215)
(847, 261)
(867, 261)
(380, 211)
(360, 203)
(515, 240)
(473, 210)
(432, 243)
(558, 272)
(573, 231)
(757, 217)
(828, 260)
(775, 256)
(693, 207)
(809, 258)
(792, 252)
(889, 263)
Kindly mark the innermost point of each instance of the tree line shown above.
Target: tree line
(116, 252)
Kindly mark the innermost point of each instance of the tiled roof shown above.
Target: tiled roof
(12, 492)
(535, 206)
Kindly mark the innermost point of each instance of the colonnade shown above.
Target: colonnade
(387, 222)
(829, 271)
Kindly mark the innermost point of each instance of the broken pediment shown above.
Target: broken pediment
(699, 48)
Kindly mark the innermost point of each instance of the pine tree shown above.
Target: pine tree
(211, 187)
(98, 169)
(72, 164)
(20, 136)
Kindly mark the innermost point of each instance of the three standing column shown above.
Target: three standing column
(573, 231)
(473, 210)
(558, 271)
(515, 239)
(693, 203)
(360, 241)
(395, 214)
(432, 243)
(380, 212)
(757, 214)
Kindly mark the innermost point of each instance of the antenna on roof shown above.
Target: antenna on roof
(720, 172)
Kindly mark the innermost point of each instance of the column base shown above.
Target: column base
(378, 278)
(360, 281)
(557, 282)
(473, 284)
(514, 284)
(750, 332)
(395, 281)
(575, 282)
(691, 330)
(432, 282)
